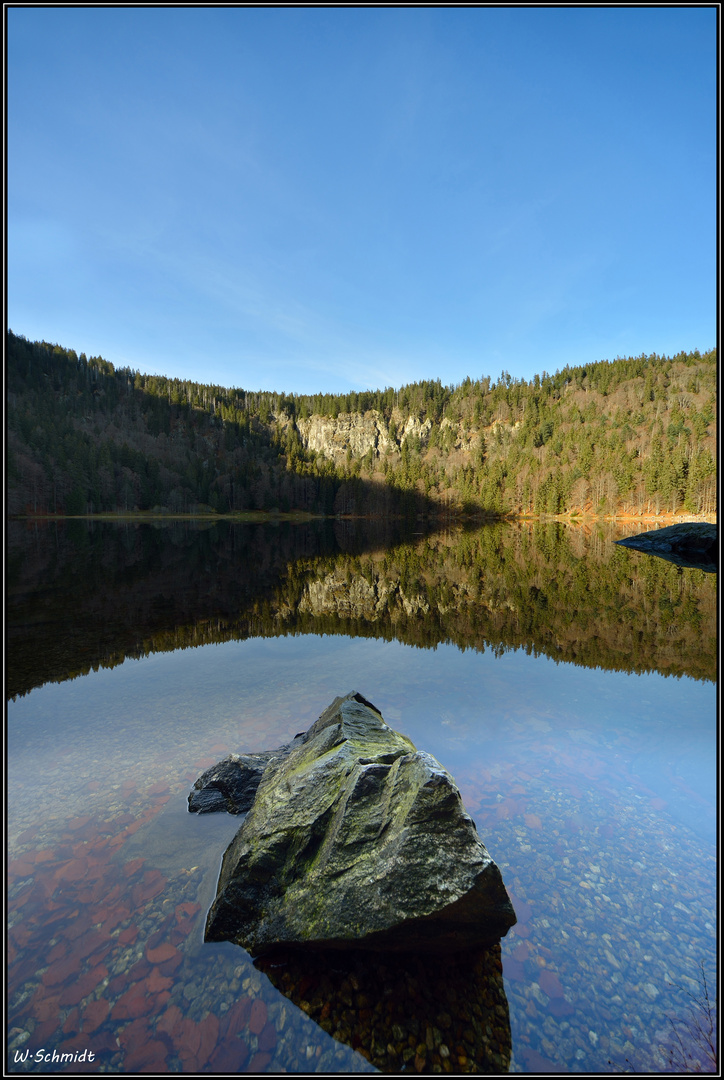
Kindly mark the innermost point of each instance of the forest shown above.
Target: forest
(630, 436)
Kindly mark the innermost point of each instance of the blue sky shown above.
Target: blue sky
(306, 199)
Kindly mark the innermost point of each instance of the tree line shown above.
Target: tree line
(632, 435)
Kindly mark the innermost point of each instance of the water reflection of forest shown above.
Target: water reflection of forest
(81, 595)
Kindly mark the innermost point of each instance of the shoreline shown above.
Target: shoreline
(300, 516)
(623, 519)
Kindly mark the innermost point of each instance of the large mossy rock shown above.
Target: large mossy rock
(691, 544)
(357, 840)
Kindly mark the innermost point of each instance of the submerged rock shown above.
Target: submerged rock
(356, 839)
(691, 543)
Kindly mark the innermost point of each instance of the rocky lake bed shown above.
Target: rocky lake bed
(593, 790)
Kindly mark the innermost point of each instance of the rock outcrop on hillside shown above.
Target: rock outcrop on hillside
(357, 840)
(334, 437)
(356, 434)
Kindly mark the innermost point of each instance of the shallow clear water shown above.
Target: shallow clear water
(593, 790)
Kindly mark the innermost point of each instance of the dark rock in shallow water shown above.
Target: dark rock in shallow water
(691, 544)
(231, 785)
(357, 840)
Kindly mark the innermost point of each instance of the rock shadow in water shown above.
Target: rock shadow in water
(406, 1012)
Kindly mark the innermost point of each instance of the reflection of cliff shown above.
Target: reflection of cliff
(82, 596)
(563, 592)
(404, 1014)
(359, 598)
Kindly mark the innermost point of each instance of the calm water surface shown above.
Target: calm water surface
(593, 790)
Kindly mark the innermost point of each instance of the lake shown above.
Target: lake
(567, 684)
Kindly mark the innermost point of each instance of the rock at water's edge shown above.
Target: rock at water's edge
(356, 839)
(691, 544)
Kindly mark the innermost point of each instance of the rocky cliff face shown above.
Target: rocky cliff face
(356, 434)
(412, 427)
(335, 437)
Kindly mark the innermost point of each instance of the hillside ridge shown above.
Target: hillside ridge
(633, 436)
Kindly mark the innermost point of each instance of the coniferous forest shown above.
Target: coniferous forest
(634, 436)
